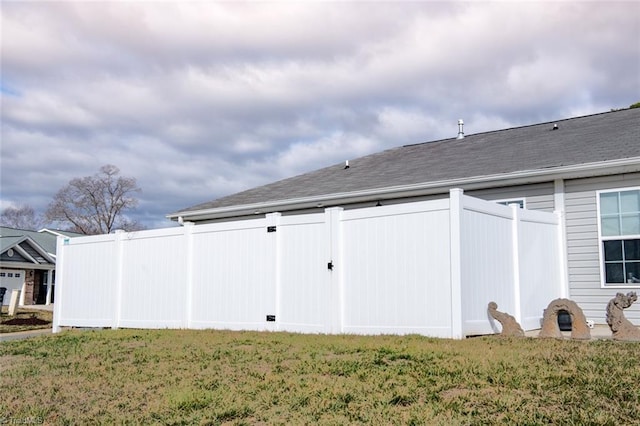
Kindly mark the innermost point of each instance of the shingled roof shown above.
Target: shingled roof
(587, 142)
(46, 239)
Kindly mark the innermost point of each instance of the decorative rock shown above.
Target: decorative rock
(621, 327)
(510, 326)
(550, 328)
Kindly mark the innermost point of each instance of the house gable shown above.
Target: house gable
(12, 255)
(23, 251)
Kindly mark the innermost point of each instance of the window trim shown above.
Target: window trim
(507, 201)
(602, 239)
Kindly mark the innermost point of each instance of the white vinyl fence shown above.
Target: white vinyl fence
(426, 267)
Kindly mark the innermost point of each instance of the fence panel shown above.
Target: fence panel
(233, 276)
(510, 256)
(396, 269)
(88, 268)
(487, 265)
(152, 293)
(540, 265)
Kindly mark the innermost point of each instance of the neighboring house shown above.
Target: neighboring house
(28, 262)
(586, 168)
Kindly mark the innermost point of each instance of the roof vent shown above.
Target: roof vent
(346, 164)
(555, 126)
(460, 126)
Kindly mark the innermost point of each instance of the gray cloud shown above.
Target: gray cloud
(201, 99)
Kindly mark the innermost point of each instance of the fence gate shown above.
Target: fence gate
(304, 273)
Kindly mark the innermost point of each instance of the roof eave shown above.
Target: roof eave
(26, 265)
(626, 165)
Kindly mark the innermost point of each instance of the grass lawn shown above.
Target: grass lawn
(24, 319)
(221, 377)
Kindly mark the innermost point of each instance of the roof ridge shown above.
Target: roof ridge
(17, 229)
(524, 126)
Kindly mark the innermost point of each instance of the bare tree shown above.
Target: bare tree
(21, 217)
(96, 204)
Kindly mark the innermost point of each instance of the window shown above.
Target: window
(17, 275)
(619, 227)
(3, 274)
(519, 201)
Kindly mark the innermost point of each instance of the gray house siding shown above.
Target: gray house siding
(583, 245)
(537, 196)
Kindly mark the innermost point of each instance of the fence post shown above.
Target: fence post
(515, 254)
(49, 286)
(60, 267)
(333, 216)
(188, 235)
(273, 220)
(119, 259)
(455, 225)
(561, 231)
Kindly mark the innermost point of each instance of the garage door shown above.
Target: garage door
(11, 279)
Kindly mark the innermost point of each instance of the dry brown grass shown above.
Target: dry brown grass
(219, 377)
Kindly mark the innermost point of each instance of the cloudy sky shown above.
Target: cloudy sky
(202, 99)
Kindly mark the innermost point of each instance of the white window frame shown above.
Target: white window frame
(508, 201)
(601, 240)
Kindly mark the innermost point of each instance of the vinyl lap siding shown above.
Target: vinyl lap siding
(583, 246)
(537, 196)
